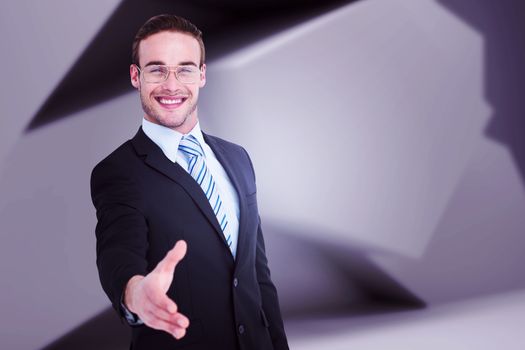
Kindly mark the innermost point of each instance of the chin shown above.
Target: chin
(175, 122)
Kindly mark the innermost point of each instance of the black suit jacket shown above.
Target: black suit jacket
(145, 203)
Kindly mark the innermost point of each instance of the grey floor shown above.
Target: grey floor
(494, 322)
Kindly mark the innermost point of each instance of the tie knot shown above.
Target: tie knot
(190, 146)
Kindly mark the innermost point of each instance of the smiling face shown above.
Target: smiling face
(170, 103)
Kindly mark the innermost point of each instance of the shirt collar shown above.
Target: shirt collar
(168, 139)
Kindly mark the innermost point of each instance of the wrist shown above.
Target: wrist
(129, 292)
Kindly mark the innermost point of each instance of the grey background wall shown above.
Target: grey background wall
(402, 122)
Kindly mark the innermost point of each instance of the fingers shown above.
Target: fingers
(158, 318)
(176, 318)
(167, 265)
(159, 324)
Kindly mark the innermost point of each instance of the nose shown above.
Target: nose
(172, 83)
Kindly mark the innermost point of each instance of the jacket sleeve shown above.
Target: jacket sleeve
(270, 301)
(121, 231)
(272, 311)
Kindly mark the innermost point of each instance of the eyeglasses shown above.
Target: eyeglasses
(157, 73)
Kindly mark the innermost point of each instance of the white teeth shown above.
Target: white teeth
(170, 102)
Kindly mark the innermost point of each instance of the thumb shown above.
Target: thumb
(172, 258)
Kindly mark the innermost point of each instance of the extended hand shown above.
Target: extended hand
(146, 295)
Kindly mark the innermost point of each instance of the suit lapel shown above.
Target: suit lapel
(158, 161)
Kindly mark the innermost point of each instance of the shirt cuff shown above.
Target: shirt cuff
(131, 318)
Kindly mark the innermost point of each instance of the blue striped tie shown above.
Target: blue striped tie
(197, 168)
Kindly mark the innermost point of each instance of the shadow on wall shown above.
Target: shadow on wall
(476, 249)
(103, 332)
(502, 26)
(319, 279)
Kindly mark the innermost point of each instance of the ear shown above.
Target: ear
(202, 80)
(134, 76)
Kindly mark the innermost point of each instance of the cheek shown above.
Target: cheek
(146, 92)
(194, 92)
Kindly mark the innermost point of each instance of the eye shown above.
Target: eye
(187, 70)
(157, 70)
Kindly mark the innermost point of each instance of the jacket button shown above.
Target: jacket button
(235, 282)
(241, 329)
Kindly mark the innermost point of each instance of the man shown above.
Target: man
(180, 251)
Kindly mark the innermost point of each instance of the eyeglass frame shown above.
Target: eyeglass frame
(170, 69)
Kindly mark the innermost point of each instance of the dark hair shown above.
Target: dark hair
(161, 23)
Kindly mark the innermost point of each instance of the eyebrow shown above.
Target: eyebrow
(154, 63)
(161, 63)
(188, 63)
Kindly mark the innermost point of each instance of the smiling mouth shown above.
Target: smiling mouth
(170, 102)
